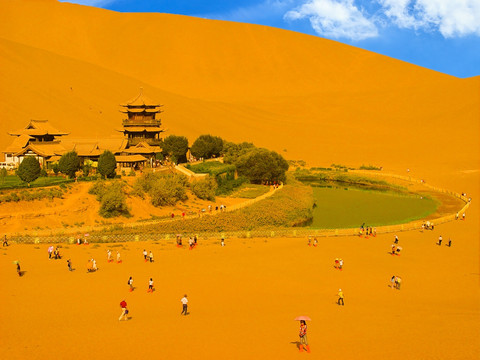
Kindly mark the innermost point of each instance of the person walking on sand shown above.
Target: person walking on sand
(150, 256)
(463, 216)
(19, 271)
(69, 264)
(449, 244)
(340, 264)
(150, 286)
(398, 282)
(394, 248)
(303, 337)
(184, 301)
(396, 240)
(439, 240)
(130, 283)
(392, 282)
(337, 263)
(223, 242)
(109, 256)
(123, 305)
(145, 255)
(94, 265)
(119, 260)
(315, 242)
(340, 297)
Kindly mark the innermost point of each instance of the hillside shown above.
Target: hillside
(306, 97)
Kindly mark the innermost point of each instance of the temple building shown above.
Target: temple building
(137, 148)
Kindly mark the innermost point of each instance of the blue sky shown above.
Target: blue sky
(443, 35)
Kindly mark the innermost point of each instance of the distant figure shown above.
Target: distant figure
(439, 240)
(109, 255)
(374, 231)
(340, 264)
(456, 216)
(173, 215)
(392, 282)
(394, 248)
(124, 314)
(463, 216)
(79, 241)
(5, 242)
(19, 271)
(184, 301)
(130, 283)
(69, 264)
(223, 242)
(315, 242)
(119, 260)
(398, 282)
(423, 227)
(303, 336)
(94, 265)
(150, 286)
(195, 239)
(145, 255)
(190, 243)
(340, 297)
(309, 241)
(449, 242)
(150, 256)
(50, 252)
(337, 263)
(399, 248)
(396, 239)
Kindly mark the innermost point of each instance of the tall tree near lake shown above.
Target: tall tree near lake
(176, 147)
(107, 164)
(207, 146)
(29, 169)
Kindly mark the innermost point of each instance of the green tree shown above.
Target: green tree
(113, 202)
(168, 191)
(107, 164)
(205, 188)
(176, 147)
(232, 151)
(29, 169)
(261, 165)
(69, 164)
(3, 174)
(207, 146)
(56, 168)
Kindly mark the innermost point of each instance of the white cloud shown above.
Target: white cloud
(335, 19)
(452, 18)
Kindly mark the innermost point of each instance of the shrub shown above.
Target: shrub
(167, 191)
(262, 165)
(204, 189)
(107, 164)
(98, 189)
(69, 164)
(56, 168)
(29, 169)
(232, 151)
(113, 202)
(207, 146)
(3, 174)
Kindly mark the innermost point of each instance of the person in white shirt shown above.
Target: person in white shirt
(145, 255)
(150, 286)
(184, 301)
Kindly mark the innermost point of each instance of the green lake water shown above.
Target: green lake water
(348, 207)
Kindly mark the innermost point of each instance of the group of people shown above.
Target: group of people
(192, 241)
(457, 216)
(80, 242)
(428, 226)
(110, 258)
(440, 239)
(91, 265)
(125, 312)
(338, 264)
(367, 231)
(395, 282)
(148, 257)
(315, 241)
(53, 253)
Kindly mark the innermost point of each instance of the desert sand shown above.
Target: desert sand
(306, 97)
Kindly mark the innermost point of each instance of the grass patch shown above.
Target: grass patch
(250, 191)
(213, 168)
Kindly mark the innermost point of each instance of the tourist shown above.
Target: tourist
(340, 297)
(392, 282)
(423, 227)
(130, 284)
(150, 256)
(303, 336)
(145, 255)
(449, 242)
(184, 301)
(394, 248)
(374, 231)
(109, 256)
(439, 240)
(398, 282)
(119, 260)
(396, 239)
(337, 263)
(456, 216)
(56, 254)
(309, 241)
(223, 242)
(5, 242)
(195, 239)
(124, 314)
(79, 241)
(340, 264)
(150, 286)
(50, 251)
(94, 265)
(190, 243)
(399, 248)
(173, 215)
(19, 271)
(463, 216)
(69, 264)
(315, 242)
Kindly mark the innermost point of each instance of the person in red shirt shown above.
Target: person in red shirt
(124, 314)
(303, 336)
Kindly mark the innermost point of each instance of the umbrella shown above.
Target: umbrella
(306, 318)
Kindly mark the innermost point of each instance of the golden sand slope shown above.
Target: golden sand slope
(319, 100)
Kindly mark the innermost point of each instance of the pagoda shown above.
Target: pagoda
(141, 124)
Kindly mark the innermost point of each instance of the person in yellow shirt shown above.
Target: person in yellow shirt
(340, 297)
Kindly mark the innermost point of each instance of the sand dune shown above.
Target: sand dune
(306, 97)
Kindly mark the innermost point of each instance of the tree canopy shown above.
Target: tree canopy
(69, 164)
(262, 165)
(176, 147)
(107, 164)
(207, 146)
(29, 169)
